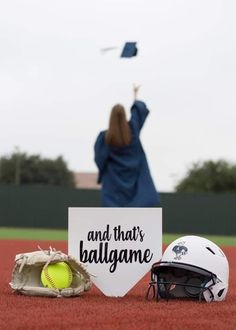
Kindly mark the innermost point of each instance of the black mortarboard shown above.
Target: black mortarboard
(129, 50)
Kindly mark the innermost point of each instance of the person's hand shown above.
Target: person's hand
(136, 90)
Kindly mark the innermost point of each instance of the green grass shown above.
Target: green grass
(61, 235)
(34, 234)
(219, 240)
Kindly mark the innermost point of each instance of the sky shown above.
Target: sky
(57, 88)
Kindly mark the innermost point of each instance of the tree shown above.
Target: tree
(19, 168)
(209, 176)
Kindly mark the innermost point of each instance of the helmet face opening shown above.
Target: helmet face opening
(176, 282)
(191, 267)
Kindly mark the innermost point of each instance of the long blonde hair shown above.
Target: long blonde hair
(118, 133)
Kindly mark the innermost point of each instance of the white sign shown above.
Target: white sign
(118, 245)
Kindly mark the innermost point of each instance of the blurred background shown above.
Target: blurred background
(57, 88)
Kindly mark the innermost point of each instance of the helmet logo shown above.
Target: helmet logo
(180, 250)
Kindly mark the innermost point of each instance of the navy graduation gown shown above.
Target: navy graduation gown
(123, 171)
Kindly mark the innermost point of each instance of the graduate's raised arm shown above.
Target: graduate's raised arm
(139, 111)
(135, 91)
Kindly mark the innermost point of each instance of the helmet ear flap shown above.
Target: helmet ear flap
(215, 292)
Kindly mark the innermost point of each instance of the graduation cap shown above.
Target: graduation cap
(129, 50)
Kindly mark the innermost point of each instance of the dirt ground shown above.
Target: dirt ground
(95, 311)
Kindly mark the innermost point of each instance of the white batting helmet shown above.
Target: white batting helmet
(191, 267)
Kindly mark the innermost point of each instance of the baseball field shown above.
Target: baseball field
(94, 310)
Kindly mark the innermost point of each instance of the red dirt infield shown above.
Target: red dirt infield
(95, 311)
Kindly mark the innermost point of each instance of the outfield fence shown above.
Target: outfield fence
(47, 207)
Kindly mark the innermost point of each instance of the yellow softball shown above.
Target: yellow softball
(57, 276)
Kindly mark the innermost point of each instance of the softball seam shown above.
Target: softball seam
(50, 280)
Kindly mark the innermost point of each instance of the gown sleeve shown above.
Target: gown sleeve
(139, 113)
(101, 154)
